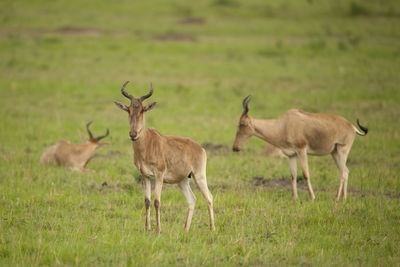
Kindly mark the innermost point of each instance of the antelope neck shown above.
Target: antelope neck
(266, 129)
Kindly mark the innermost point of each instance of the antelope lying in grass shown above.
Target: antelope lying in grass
(298, 133)
(73, 156)
(169, 159)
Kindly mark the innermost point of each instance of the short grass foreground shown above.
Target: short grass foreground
(62, 64)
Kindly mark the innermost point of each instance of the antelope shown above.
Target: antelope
(169, 159)
(74, 156)
(297, 134)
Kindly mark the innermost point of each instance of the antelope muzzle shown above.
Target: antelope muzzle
(133, 136)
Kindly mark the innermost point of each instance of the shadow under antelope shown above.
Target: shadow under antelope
(298, 134)
(74, 156)
(169, 159)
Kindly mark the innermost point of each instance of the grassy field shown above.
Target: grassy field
(62, 63)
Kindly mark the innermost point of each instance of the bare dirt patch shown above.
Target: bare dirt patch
(388, 194)
(78, 31)
(392, 194)
(115, 186)
(223, 149)
(282, 182)
(216, 148)
(177, 37)
(192, 21)
(83, 31)
(106, 187)
(286, 183)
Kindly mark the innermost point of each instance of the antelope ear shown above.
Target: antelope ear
(149, 106)
(84, 139)
(121, 106)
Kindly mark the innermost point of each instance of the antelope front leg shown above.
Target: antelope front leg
(147, 200)
(302, 154)
(293, 172)
(157, 202)
(184, 186)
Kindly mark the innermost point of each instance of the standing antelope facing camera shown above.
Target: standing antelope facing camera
(169, 159)
(74, 156)
(298, 133)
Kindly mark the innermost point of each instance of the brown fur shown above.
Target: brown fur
(176, 157)
(71, 156)
(169, 159)
(297, 133)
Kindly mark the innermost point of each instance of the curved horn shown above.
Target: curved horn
(124, 92)
(102, 136)
(149, 94)
(87, 128)
(245, 104)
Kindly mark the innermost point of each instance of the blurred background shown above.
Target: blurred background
(63, 62)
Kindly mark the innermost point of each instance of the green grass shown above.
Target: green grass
(62, 63)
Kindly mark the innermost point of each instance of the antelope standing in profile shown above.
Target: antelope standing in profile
(169, 159)
(298, 133)
(74, 156)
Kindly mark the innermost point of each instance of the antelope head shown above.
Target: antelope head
(136, 111)
(94, 140)
(245, 128)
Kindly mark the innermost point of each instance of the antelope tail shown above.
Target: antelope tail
(364, 129)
